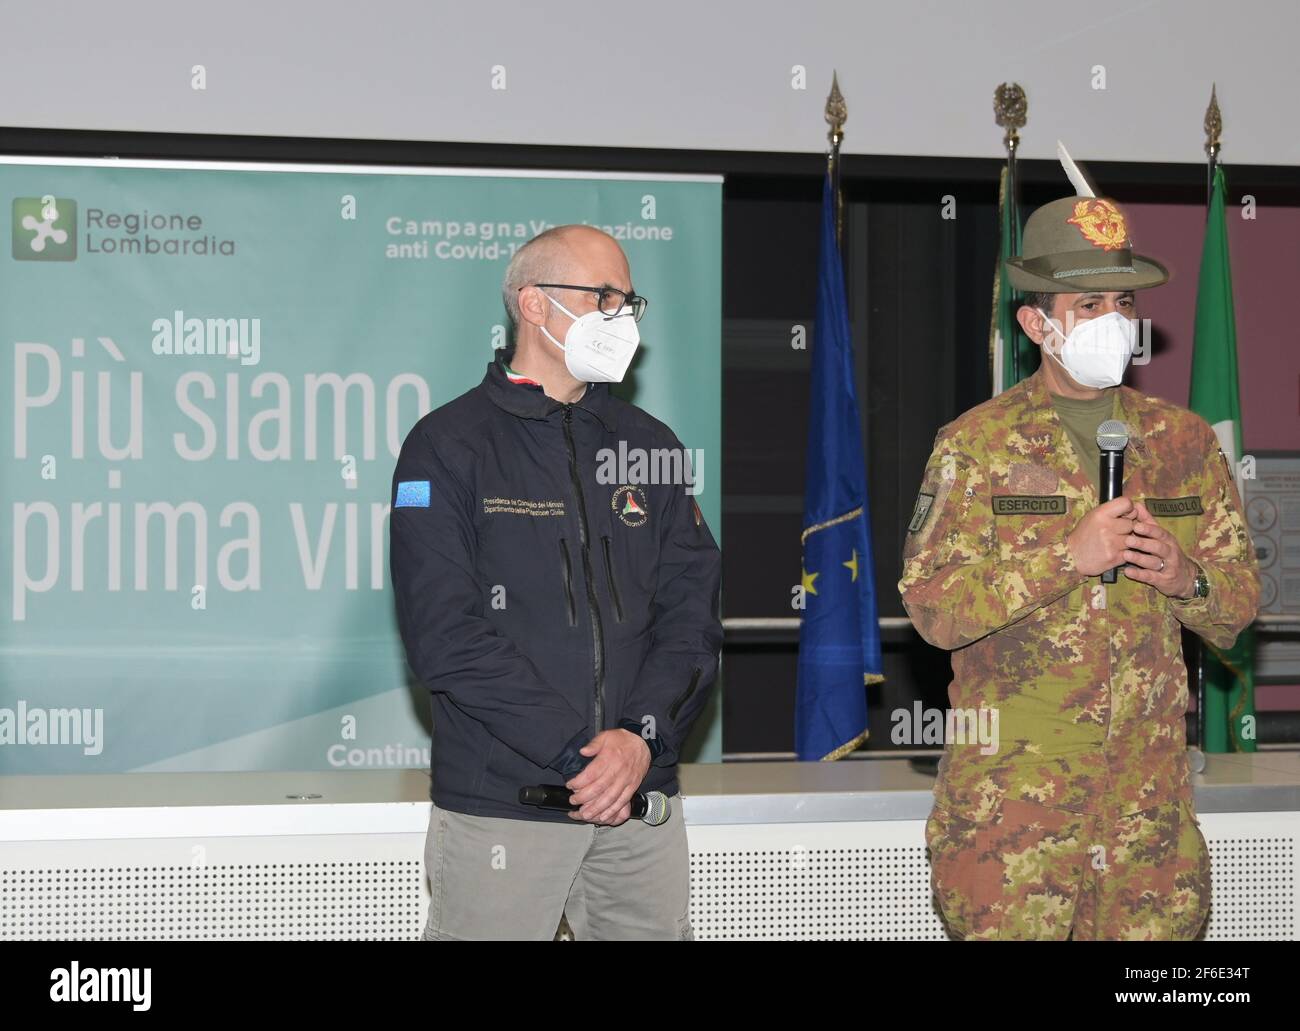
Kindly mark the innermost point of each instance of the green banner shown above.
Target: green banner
(212, 369)
(1006, 338)
(1215, 396)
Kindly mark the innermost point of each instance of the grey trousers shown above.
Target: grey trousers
(494, 878)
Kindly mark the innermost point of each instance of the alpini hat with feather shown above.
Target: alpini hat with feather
(1078, 245)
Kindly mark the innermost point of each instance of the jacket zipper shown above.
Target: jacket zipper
(613, 587)
(597, 635)
(568, 582)
(680, 700)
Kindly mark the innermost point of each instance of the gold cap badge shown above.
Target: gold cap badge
(1101, 223)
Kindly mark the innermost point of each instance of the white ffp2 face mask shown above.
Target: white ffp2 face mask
(1096, 351)
(598, 348)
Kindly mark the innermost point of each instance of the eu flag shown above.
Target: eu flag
(839, 638)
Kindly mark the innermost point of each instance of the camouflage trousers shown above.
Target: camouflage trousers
(1033, 873)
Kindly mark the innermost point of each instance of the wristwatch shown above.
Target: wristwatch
(1202, 584)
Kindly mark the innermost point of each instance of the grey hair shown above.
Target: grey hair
(542, 259)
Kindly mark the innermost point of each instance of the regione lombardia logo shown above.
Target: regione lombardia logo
(45, 228)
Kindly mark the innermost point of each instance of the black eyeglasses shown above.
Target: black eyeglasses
(610, 300)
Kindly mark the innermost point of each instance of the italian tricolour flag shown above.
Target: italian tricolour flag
(1230, 675)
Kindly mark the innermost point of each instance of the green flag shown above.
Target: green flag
(1004, 330)
(1229, 675)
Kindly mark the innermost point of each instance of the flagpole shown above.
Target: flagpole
(1213, 129)
(1010, 109)
(837, 113)
(837, 597)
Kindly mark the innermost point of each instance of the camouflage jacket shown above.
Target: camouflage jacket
(1086, 681)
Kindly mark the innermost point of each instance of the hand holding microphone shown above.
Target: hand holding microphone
(619, 762)
(1121, 533)
(653, 807)
(1112, 439)
(1099, 540)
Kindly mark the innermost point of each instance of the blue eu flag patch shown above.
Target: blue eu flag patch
(412, 494)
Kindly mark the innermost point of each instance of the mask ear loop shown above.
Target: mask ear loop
(1052, 327)
(562, 308)
(1135, 337)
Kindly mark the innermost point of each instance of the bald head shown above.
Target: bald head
(564, 254)
(576, 256)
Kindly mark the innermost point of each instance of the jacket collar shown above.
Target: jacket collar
(1131, 410)
(529, 401)
(1134, 412)
(1040, 435)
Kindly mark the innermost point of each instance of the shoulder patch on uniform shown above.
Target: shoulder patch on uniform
(1029, 504)
(412, 494)
(919, 511)
(1175, 506)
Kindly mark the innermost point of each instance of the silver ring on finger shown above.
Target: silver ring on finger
(1162, 566)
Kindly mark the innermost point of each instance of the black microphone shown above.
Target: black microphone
(1112, 438)
(652, 807)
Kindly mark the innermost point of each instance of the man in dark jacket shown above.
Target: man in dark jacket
(565, 622)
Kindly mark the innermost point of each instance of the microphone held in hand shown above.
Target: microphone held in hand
(1112, 439)
(652, 807)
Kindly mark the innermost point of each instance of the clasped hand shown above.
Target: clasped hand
(1123, 532)
(605, 787)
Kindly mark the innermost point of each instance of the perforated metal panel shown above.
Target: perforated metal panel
(777, 881)
(330, 888)
(871, 881)
(821, 881)
(1255, 870)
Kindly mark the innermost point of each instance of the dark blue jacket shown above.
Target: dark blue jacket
(539, 605)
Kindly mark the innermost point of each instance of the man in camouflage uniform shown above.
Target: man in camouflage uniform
(1081, 822)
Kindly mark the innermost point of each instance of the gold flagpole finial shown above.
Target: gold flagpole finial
(1213, 125)
(1010, 110)
(837, 112)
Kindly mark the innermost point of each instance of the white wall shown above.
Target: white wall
(918, 74)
